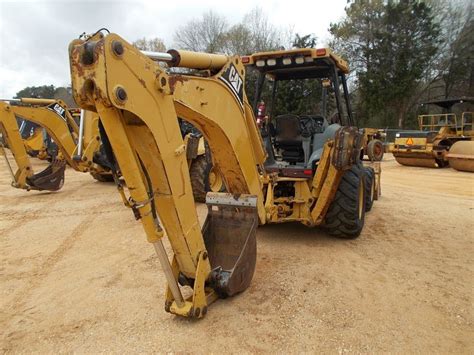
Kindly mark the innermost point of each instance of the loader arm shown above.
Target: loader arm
(12, 138)
(138, 104)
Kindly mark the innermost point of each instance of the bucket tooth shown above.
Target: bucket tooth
(230, 238)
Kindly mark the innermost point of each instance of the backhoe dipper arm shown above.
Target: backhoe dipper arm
(138, 105)
(54, 116)
(55, 124)
(56, 105)
(51, 178)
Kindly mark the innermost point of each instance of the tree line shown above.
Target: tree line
(401, 53)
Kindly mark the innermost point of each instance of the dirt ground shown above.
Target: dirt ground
(77, 275)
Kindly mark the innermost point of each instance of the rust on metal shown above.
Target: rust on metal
(347, 146)
(141, 81)
(98, 49)
(173, 79)
(76, 64)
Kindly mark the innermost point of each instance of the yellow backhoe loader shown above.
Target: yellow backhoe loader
(443, 139)
(54, 117)
(139, 103)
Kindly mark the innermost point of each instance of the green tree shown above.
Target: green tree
(357, 37)
(299, 96)
(306, 41)
(48, 92)
(391, 45)
(408, 43)
(39, 92)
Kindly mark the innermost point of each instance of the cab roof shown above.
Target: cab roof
(448, 103)
(300, 63)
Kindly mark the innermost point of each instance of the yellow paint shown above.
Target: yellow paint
(144, 133)
(59, 130)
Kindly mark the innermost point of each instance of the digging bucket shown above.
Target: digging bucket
(230, 233)
(51, 178)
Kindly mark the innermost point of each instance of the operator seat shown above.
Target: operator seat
(288, 138)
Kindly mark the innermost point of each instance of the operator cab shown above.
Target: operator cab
(457, 121)
(306, 101)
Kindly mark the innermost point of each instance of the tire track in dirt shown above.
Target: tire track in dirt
(38, 214)
(19, 302)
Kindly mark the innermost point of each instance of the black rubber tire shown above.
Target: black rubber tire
(103, 177)
(346, 214)
(198, 173)
(375, 150)
(369, 188)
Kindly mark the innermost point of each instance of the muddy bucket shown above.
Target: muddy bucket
(50, 179)
(230, 238)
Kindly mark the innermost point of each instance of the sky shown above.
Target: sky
(34, 35)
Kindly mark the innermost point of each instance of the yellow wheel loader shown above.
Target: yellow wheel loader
(139, 102)
(443, 139)
(54, 117)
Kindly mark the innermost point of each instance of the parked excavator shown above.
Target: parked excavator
(55, 118)
(314, 176)
(443, 139)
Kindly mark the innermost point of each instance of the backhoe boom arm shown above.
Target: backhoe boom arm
(139, 105)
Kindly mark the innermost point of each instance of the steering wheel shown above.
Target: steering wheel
(307, 126)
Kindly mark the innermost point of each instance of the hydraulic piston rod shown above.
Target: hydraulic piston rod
(4, 153)
(165, 265)
(188, 59)
(78, 155)
(158, 56)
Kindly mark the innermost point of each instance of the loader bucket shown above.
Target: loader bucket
(461, 156)
(230, 238)
(50, 179)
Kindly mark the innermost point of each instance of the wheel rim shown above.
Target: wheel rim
(215, 181)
